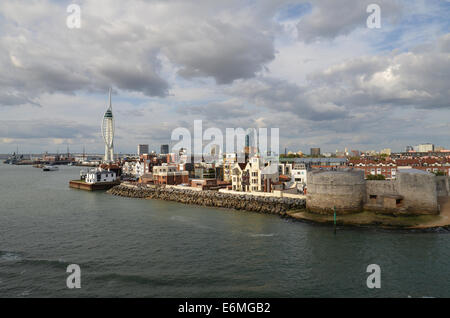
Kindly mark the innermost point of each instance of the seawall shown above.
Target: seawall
(217, 199)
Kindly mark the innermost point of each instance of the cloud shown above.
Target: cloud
(218, 111)
(280, 95)
(418, 78)
(123, 44)
(353, 88)
(45, 128)
(306, 67)
(221, 50)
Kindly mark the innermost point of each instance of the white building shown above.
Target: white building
(425, 148)
(255, 177)
(229, 161)
(129, 167)
(140, 169)
(135, 168)
(99, 176)
(254, 167)
(237, 177)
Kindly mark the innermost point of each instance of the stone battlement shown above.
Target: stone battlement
(414, 192)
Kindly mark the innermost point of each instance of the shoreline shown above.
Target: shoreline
(320, 220)
(267, 205)
(293, 209)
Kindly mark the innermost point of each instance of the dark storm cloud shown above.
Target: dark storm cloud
(221, 50)
(136, 80)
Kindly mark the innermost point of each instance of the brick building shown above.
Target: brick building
(169, 175)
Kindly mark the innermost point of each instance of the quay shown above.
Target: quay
(243, 201)
(83, 185)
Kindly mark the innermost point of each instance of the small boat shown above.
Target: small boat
(50, 168)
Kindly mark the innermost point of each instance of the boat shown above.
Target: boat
(13, 159)
(50, 168)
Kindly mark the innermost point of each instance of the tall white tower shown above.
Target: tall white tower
(108, 132)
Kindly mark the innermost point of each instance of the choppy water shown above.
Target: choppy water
(142, 248)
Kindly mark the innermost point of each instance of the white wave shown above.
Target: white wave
(262, 235)
(10, 257)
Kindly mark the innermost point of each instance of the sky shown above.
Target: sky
(313, 69)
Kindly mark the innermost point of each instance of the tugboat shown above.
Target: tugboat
(50, 168)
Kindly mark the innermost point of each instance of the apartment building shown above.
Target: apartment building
(169, 175)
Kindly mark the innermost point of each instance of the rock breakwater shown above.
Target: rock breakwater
(270, 205)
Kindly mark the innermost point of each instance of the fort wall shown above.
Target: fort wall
(412, 193)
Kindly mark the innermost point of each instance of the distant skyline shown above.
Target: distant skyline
(311, 68)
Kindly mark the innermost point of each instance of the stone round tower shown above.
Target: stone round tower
(344, 190)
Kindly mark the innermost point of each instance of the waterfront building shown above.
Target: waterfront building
(239, 177)
(257, 176)
(140, 169)
(228, 163)
(285, 168)
(99, 175)
(299, 173)
(208, 184)
(270, 178)
(146, 178)
(108, 132)
(169, 175)
(204, 171)
(129, 168)
(254, 167)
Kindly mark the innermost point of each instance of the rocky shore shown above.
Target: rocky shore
(270, 205)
